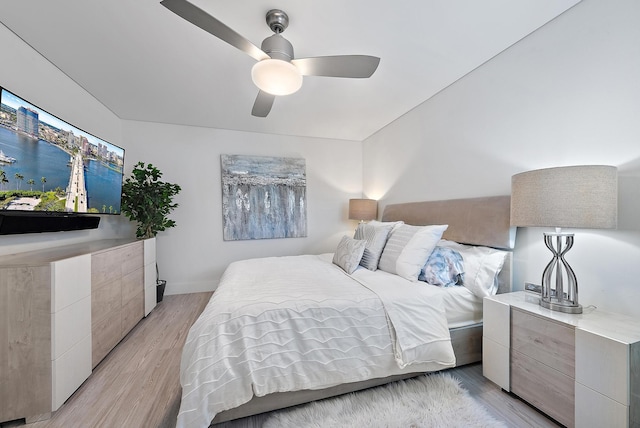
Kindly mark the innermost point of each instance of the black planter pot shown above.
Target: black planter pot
(160, 285)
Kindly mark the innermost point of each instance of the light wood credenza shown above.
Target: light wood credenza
(62, 310)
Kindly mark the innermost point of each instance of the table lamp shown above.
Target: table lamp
(583, 196)
(363, 209)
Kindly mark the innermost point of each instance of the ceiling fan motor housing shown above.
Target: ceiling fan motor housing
(277, 47)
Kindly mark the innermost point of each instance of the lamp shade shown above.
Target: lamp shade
(363, 209)
(276, 76)
(583, 196)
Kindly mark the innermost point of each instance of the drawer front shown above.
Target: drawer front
(25, 341)
(546, 341)
(70, 326)
(71, 281)
(597, 410)
(496, 321)
(545, 388)
(132, 285)
(603, 365)
(131, 256)
(150, 251)
(132, 312)
(105, 300)
(105, 268)
(150, 295)
(105, 335)
(495, 363)
(69, 371)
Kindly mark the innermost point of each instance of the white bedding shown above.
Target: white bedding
(290, 323)
(462, 307)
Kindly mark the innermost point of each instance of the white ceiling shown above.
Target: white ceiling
(145, 63)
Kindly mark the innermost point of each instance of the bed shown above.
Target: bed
(282, 331)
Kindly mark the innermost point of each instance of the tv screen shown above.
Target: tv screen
(49, 165)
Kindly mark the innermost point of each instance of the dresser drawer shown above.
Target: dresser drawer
(132, 257)
(543, 387)
(105, 268)
(549, 342)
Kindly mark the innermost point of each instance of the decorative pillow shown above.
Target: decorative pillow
(408, 249)
(349, 253)
(375, 235)
(481, 267)
(393, 224)
(444, 268)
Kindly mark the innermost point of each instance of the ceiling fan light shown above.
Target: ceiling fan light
(276, 76)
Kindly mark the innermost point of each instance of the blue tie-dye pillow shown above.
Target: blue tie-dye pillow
(444, 267)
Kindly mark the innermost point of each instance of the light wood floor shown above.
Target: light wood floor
(137, 384)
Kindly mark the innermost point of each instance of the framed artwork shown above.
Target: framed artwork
(263, 197)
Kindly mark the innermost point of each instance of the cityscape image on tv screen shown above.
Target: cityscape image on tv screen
(47, 164)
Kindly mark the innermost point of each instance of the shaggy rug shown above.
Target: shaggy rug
(436, 400)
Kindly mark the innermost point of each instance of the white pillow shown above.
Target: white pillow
(375, 234)
(394, 224)
(408, 249)
(349, 253)
(481, 267)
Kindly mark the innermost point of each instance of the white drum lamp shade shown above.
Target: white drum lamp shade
(584, 197)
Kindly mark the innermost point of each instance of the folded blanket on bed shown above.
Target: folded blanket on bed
(416, 315)
(291, 323)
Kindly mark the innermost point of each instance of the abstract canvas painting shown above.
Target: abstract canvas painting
(263, 197)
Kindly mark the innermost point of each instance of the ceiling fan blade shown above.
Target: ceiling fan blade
(358, 66)
(262, 106)
(208, 23)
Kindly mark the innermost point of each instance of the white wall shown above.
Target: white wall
(568, 94)
(193, 255)
(30, 76)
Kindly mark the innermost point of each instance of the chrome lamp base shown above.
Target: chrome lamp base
(561, 307)
(556, 298)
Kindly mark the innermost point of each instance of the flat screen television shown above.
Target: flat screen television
(50, 169)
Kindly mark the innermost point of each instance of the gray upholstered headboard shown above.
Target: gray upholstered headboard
(474, 221)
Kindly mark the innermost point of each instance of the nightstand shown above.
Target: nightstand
(582, 370)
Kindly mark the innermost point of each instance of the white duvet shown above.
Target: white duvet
(291, 323)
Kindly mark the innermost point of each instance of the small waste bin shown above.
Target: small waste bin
(160, 285)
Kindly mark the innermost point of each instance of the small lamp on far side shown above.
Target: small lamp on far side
(363, 209)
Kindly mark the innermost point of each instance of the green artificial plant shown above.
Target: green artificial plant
(148, 201)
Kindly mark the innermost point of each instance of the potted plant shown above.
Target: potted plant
(148, 201)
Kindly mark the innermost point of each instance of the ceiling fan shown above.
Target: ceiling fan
(277, 72)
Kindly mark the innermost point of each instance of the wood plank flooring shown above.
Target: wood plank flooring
(137, 384)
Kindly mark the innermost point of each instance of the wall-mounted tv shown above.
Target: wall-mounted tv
(50, 167)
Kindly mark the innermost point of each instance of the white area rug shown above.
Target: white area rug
(437, 400)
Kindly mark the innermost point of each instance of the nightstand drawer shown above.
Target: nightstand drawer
(543, 387)
(549, 342)
(598, 410)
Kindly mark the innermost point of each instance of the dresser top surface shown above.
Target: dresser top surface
(618, 327)
(52, 254)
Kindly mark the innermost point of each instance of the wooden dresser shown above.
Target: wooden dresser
(582, 370)
(62, 310)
